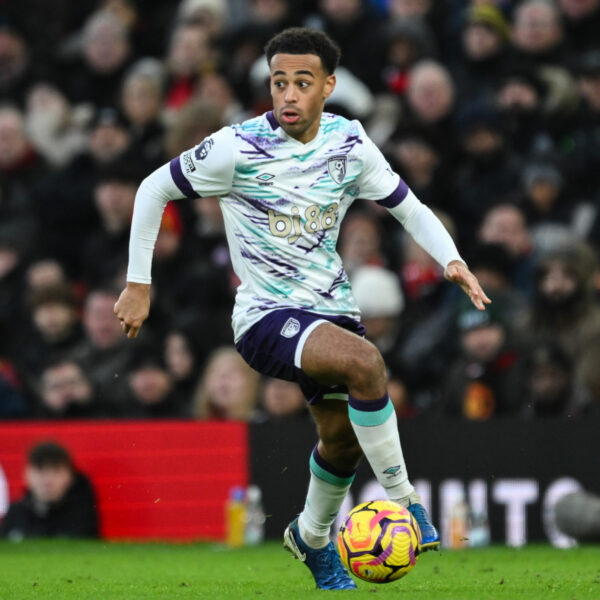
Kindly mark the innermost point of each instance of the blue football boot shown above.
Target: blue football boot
(429, 534)
(324, 564)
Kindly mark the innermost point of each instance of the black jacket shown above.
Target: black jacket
(74, 516)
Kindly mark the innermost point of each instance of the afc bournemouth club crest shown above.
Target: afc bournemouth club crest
(336, 165)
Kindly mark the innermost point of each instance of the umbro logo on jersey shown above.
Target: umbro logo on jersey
(265, 178)
(290, 328)
(336, 165)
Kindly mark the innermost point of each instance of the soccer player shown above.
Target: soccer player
(285, 180)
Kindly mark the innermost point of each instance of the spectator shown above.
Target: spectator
(359, 32)
(480, 383)
(65, 204)
(20, 164)
(549, 388)
(141, 100)
(105, 352)
(183, 356)
(58, 502)
(105, 55)
(563, 304)
(66, 392)
(581, 20)
(151, 388)
(55, 127)
(490, 171)
(13, 401)
(360, 241)
(282, 399)
(56, 327)
(228, 388)
(538, 32)
(17, 63)
(484, 39)
(105, 250)
(505, 224)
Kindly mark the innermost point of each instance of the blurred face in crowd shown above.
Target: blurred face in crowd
(482, 141)
(543, 195)
(483, 343)
(150, 384)
(13, 143)
(54, 320)
(46, 105)
(418, 158)
(214, 89)
(536, 27)
(65, 384)
(404, 9)
(548, 385)
(578, 9)
(299, 87)
(105, 43)
(49, 483)
(45, 273)
(480, 42)
(506, 225)
(517, 96)
(558, 282)
(114, 200)
(107, 142)
(101, 327)
(341, 10)
(228, 382)
(590, 90)
(269, 11)
(430, 91)
(282, 398)
(179, 356)
(189, 51)
(142, 99)
(360, 241)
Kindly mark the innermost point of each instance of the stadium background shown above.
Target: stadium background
(502, 113)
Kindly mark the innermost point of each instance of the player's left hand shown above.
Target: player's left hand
(458, 272)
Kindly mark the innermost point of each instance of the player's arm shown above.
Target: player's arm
(379, 183)
(429, 232)
(206, 170)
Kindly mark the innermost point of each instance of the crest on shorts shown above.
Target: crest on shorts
(290, 328)
(336, 165)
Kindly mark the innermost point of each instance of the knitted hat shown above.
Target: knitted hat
(489, 16)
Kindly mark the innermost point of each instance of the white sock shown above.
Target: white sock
(326, 492)
(376, 427)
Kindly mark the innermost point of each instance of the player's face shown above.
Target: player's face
(299, 87)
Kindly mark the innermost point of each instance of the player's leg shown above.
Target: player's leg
(333, 463)
(332, 354)
(307, 536)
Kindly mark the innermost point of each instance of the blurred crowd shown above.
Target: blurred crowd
(490, 111)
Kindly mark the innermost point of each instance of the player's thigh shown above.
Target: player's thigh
(333, 355)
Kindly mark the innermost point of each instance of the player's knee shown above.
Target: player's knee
(367, 367)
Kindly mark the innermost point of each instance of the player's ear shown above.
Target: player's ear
(329, 86)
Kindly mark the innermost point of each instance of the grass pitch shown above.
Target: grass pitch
(104, 571)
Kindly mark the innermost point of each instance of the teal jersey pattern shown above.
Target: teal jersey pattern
(283, 202)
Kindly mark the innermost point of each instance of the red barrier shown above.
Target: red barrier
(159, 480)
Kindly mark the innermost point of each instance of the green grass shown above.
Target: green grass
(104, 571)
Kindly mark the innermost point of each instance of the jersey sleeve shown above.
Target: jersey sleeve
(377, 181)
(207, 169)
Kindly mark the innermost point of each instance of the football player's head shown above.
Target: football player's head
(302, 64)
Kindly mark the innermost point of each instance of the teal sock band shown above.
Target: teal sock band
(369, 418)
(323, 470)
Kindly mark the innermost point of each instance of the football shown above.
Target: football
(379, 541)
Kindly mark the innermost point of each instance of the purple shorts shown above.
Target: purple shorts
(273, 347)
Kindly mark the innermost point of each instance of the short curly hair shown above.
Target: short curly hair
(301, 40)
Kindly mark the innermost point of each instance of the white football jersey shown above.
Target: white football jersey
(283, 202)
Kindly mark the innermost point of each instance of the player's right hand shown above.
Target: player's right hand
(132, 307)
